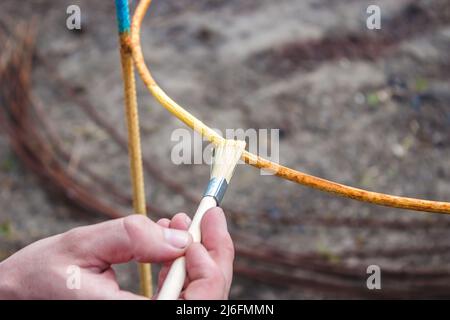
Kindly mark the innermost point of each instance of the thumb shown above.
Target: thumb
(132, 238)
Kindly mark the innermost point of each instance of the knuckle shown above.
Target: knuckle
(136, 227)
(135, 222)
(139, 229)
(74, 240)
(73, 236)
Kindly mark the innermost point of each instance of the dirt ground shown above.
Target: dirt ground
(370, 109)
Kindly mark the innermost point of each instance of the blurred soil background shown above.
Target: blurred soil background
(370, 109)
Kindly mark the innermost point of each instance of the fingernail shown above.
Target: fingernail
(188, 220)
(177, 238)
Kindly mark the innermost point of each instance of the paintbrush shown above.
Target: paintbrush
(225, 159)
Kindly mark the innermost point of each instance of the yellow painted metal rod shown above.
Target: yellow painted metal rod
(256, 161)
(134, 140)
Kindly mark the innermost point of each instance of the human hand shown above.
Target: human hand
(209, 265)
(39, 271)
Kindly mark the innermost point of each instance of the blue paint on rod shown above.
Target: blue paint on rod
(123, 16)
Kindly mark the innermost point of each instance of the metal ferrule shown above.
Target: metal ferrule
(216, 189)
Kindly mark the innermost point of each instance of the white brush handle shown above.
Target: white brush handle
(174, 282)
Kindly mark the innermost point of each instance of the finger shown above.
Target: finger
(206, 279)
(109, 274)
(132, 238)
(218, 242)
(164, 222)
(180, 221)
(163, 273)
(125, 295)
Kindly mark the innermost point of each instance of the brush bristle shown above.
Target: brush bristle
(226, 157)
